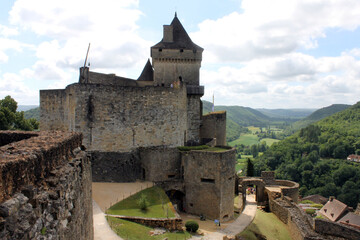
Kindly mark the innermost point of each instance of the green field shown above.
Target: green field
(159, 205)
(134, 231)
(246, 139)
(241, 164)
(266, 226)
(269, 141)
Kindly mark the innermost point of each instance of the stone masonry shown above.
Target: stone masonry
(45, 185)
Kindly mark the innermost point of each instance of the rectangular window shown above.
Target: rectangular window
(208, 180)
(171, 176)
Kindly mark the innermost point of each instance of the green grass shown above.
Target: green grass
(254, 129)
(269, 141)
(307, 202)
(266, 225)
(159, 205)
(246, 139)
(134, 231)
(315, 205)
(241, 164)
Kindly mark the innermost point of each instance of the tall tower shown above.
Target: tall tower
(177, 59)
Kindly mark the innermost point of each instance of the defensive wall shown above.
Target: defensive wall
(281, 196)
(116, 118)
(45, 186)
(214, 126)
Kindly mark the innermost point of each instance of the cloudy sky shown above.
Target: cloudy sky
(258, 53)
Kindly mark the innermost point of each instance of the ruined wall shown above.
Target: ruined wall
(116, 166)
(45, 188)
(120, 119)
(214, 126)
(160, 163)
(209, 183)
(335, 229)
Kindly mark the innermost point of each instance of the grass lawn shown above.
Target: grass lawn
(159, 205)
(269, 141)
(134, 231)
(246, 139)
(266, 225)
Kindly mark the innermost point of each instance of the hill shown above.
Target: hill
(33, 113)
(317, 115)
(287, 113)
(244, 116)
(26, 107)
(316, 155)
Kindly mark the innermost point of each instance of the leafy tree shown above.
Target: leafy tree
(10, 119)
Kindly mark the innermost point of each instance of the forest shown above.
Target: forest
(316, 155)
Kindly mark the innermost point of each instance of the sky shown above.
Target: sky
(258, 53)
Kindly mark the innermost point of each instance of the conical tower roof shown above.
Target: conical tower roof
(181, 39)
(147, 73)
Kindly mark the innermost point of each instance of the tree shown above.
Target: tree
(254, 150)
(10, 119)
(249, 168)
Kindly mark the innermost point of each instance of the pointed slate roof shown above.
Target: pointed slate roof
(181, 39)
(147, 73)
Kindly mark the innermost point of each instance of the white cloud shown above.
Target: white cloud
(271, 28)
(109, 25)
(13, 85)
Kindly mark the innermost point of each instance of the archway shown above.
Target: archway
(177, 198)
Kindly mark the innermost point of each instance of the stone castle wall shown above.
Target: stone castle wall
(193, 118)
(214, 126)
(45, 188)
(335, 229)
(160, 163)
(209, 182)
(116, 118)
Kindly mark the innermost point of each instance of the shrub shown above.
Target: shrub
(315, 205)
(307, 202)
(143, 202)
(191, 226)
(310, 211)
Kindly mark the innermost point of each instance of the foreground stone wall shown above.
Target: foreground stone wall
(45, 188)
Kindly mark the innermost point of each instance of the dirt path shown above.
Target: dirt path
(237, 226)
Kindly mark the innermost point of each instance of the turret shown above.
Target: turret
(176, 57)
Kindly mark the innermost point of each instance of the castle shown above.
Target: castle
(132, 127)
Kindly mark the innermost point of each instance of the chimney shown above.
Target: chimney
(168, 33)
(331, 198)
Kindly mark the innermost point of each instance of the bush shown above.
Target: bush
(310, 211)
(307, 202)
(315, 205)
(191, 226)
(143, 202)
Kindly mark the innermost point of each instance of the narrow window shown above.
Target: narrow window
(171, 176)
(191, 205)
(160, 49)
(181, 50)
(208, 180)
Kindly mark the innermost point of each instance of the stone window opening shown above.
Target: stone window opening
(225, 216)
(170, 176)
(160, 49)
(208, 180)
(181, 50)
(191, 205)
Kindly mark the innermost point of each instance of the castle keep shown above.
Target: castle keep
(132, 127)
